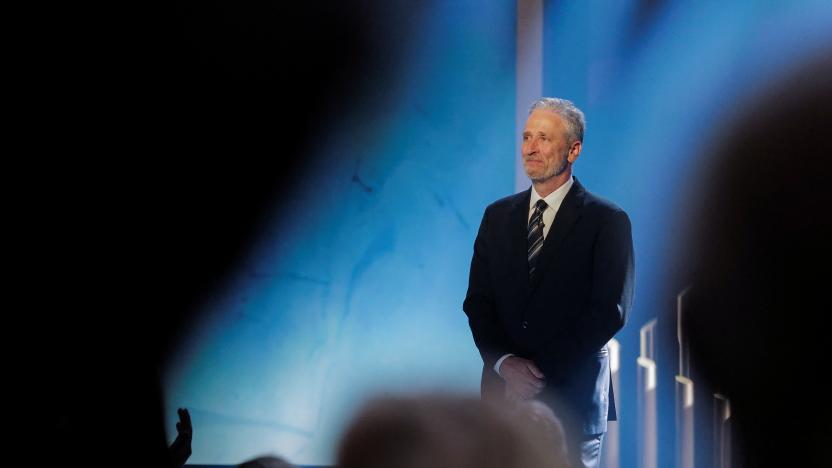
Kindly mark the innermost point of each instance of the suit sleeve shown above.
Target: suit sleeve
(479, 305)
(610, 300)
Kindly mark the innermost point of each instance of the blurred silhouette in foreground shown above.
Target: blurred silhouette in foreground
(266, 462)
(451, 431)
(131, 248)
(757, 259)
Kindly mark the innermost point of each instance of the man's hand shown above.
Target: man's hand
(523, 379)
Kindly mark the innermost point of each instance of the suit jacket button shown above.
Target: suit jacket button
(525, 324)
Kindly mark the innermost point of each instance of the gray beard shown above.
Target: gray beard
(557, 172)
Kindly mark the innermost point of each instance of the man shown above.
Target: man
(551, 282)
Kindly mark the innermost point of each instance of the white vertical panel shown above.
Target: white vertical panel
(611, 457)
(722, 431)
(647, 427)
(685, 414)
(529, 74)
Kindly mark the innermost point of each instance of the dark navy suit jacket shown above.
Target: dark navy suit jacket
(563, 316)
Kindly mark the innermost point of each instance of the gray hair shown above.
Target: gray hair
(567, 110)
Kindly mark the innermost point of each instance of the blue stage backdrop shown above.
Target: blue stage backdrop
(355, 286)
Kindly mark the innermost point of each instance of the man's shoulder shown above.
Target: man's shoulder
(603, 210)
(505, 204)
(601, 207)
(600, 203)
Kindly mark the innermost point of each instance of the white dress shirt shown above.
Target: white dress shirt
(554, 200)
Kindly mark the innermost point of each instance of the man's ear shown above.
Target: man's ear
(574, 151)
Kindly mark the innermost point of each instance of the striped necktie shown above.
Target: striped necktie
(535, 236)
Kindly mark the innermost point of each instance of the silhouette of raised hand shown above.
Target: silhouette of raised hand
(180, 449)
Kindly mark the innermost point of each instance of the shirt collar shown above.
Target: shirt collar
(555, 198)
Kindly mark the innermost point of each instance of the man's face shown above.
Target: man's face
(546, 149)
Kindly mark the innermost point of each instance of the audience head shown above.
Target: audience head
(268, 461)
(440, 431)
(758, 247)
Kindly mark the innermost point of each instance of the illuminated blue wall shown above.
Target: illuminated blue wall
(355, 287)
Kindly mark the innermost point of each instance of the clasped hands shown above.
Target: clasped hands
(522, 377)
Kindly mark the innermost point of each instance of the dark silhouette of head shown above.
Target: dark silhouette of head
(758, 256)
(450, 431)
(202, 114)
(267, 461)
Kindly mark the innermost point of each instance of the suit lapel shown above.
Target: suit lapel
(568, 214)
